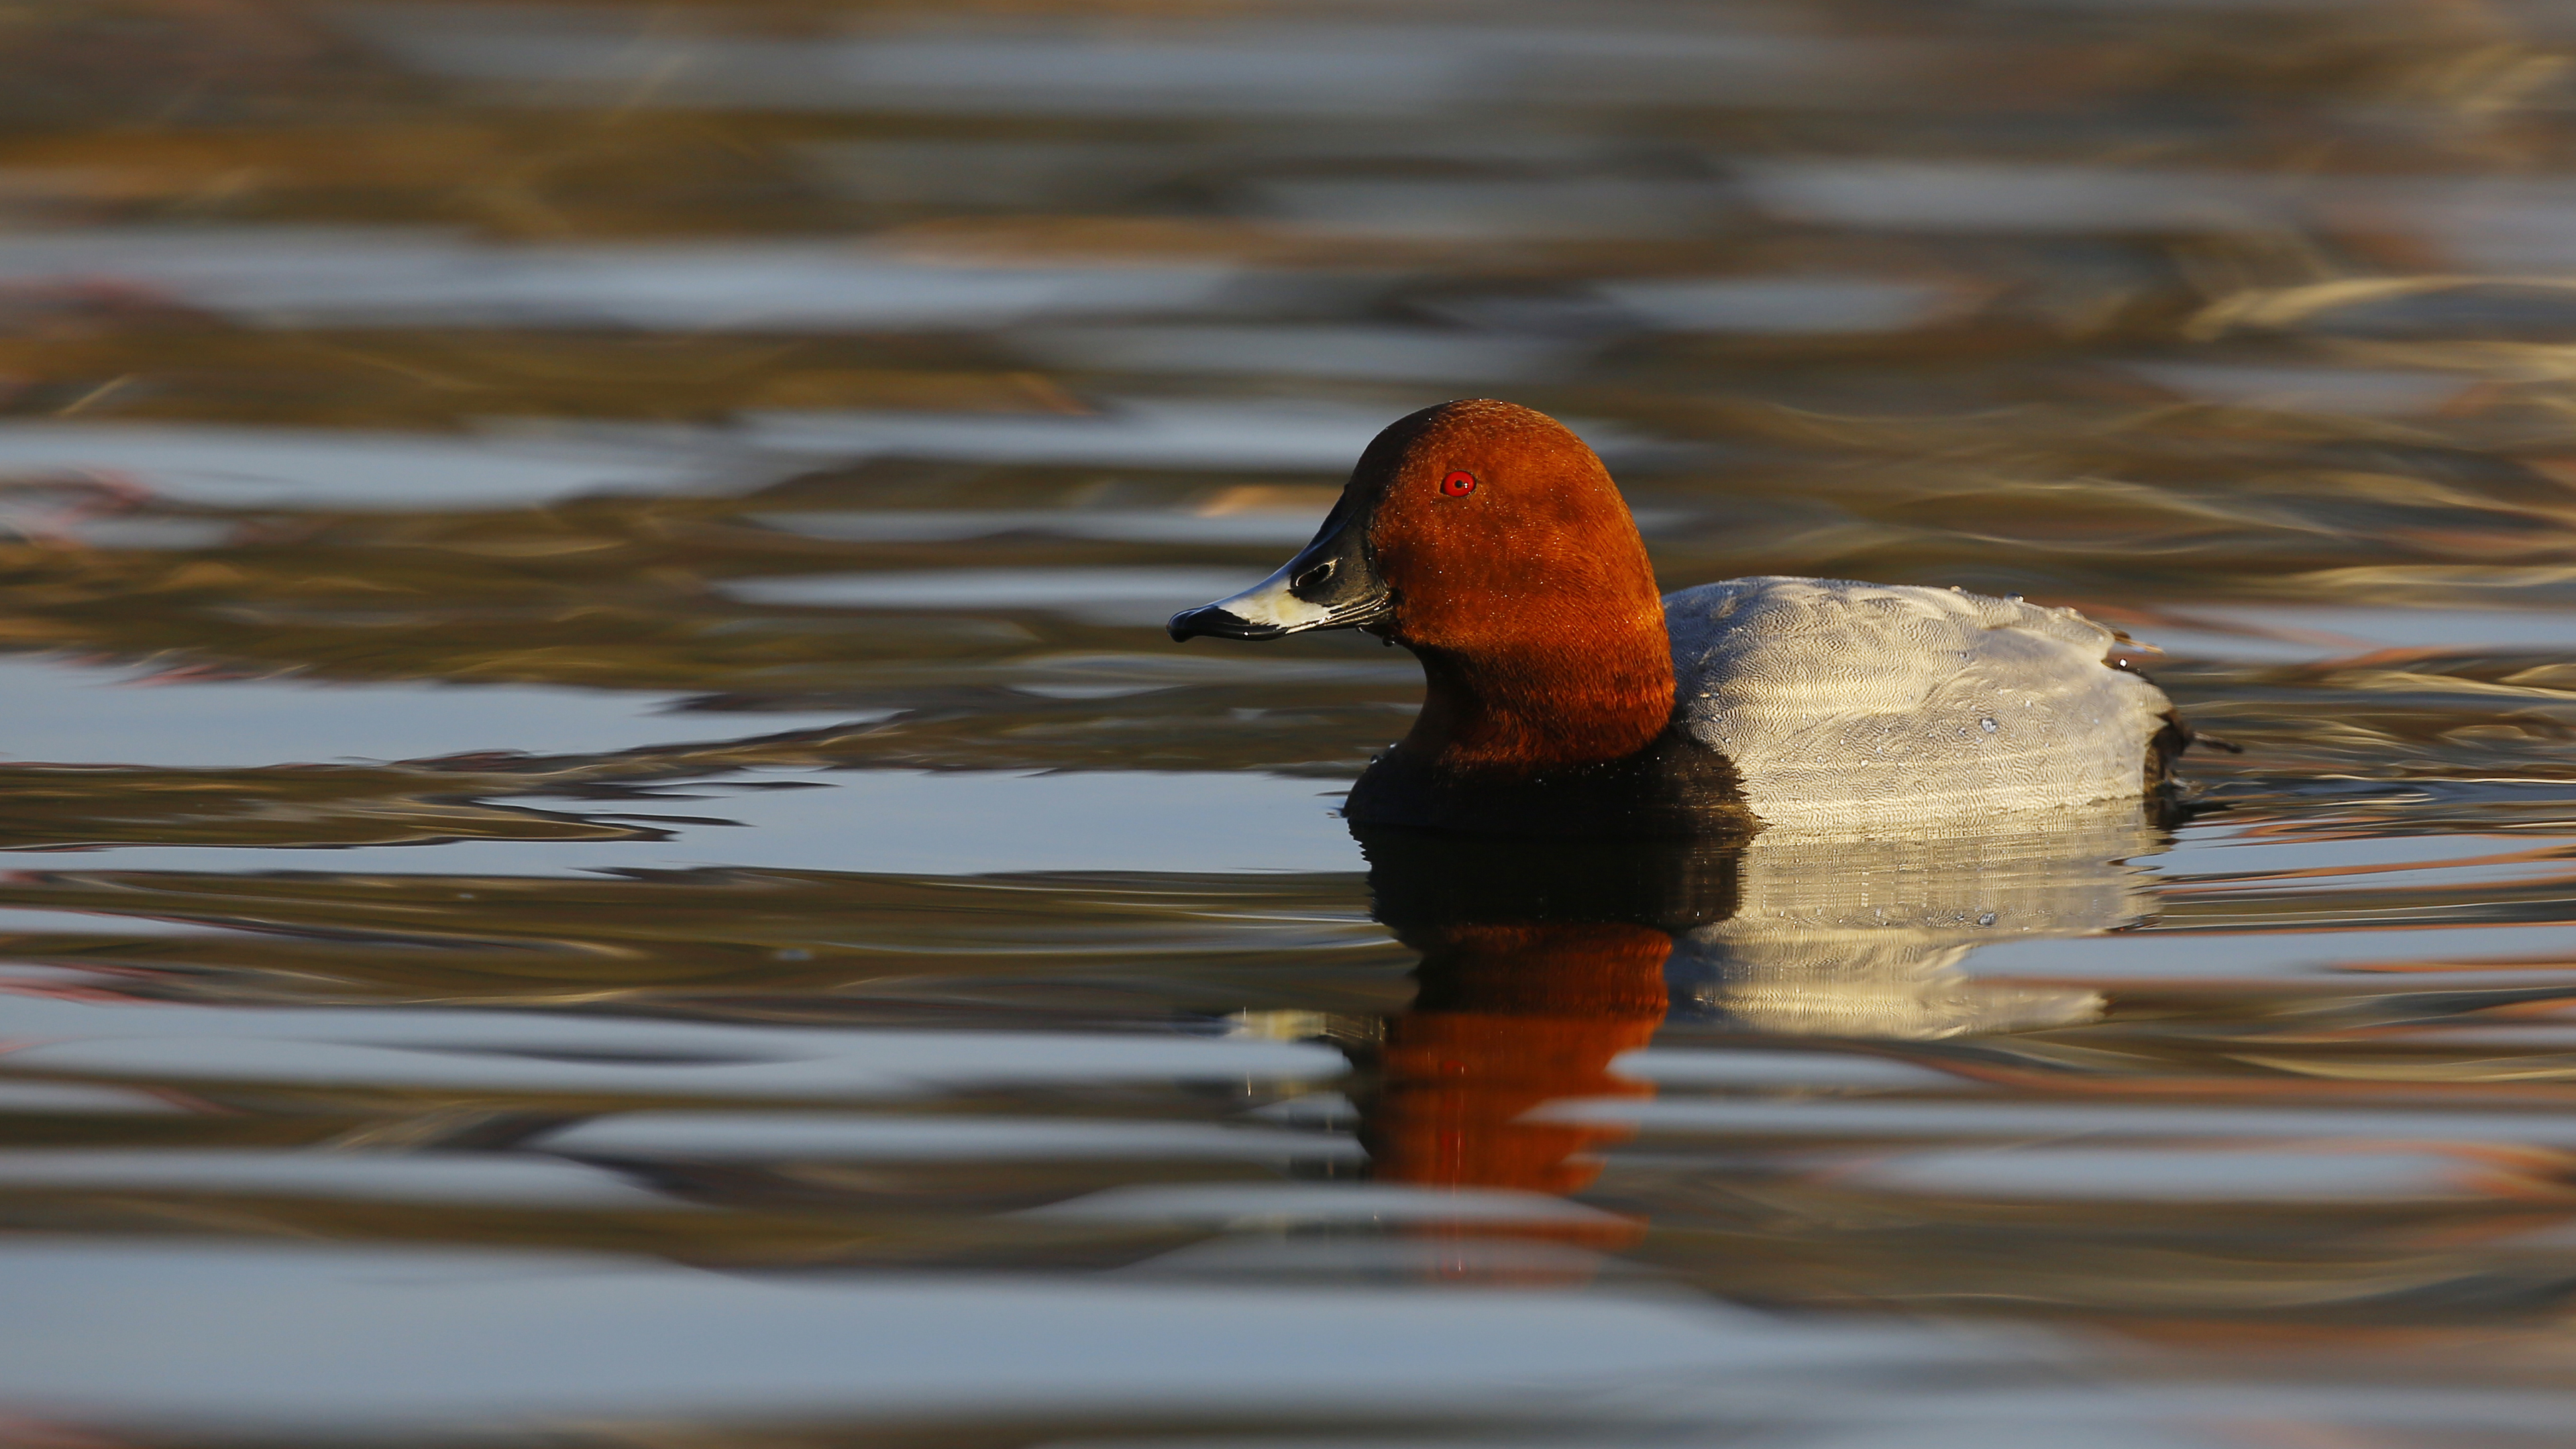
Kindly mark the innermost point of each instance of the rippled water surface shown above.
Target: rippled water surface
(602, 843)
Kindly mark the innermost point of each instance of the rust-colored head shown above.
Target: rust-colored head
(1486, 538)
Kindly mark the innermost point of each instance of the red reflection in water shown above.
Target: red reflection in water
(1509, 1018)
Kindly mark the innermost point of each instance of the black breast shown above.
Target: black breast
(1675, 787)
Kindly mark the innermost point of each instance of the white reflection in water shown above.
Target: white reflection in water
(33, 1098)
(1103, 595)
(1351, 350)
(323, 469)
(1291, 71)
(486, 1179)
(1979, 1434)
(2506, 225)
(2346, 391)
(685, 1044)
(2520, 955)
(1157, 432)
(41, 921)
(1547, 971)
(347, 276)
(1323, 1256)
(406, 1340)
(1124, 525)
(1547, 209)
(1951, 195)
(371, 1339)
(1787, 306)
(1011, 175)
(2212, 862)
(1866, 938)
(544, 1051)
(892, 822)
(1275, 1205)
(65, 714)
(1206, 525)
(1751, 1067)
(2002, 1118)
(2298, 633)
(1250, 68)
(2170, 1174)
(951, 1138)
(466, 1068)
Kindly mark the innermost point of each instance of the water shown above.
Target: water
(602, 844)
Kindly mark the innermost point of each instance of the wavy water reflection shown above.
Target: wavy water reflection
(600, 842)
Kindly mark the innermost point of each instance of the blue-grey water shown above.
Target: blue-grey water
(600, 843)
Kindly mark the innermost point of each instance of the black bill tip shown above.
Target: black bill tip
(1218, 622)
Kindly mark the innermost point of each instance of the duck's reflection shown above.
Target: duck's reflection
(1541, 964)
(1832, 936)
(1544, 962)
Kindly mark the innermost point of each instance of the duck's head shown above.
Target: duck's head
(1486, 538)
(1457, 519)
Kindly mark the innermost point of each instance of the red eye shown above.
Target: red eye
(1458, 484)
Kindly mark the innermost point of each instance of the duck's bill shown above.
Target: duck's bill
(1328, 585)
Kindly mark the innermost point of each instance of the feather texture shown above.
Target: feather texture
(1842, 703)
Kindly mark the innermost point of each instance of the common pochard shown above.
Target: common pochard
(1566, 696)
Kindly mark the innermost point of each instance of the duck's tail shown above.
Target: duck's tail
(2168, 743)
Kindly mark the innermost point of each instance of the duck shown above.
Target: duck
(1543, 962)
(1566, 695)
